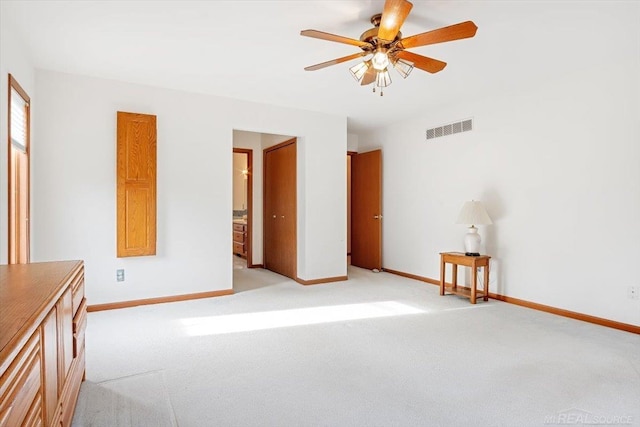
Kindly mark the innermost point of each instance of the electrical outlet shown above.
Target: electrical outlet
(632, 292)
(120, 275)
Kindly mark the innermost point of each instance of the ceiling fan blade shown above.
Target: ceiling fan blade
(459, 31)
(334, 38)
(369, 77)
(422, 62)
(335, 61)
(393, 16)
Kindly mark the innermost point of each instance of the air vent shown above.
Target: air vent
(450, 129)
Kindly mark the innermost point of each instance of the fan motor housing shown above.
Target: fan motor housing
(371, 35)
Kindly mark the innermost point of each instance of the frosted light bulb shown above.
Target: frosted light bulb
(380, 60)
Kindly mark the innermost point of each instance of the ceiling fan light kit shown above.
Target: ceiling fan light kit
(385, 44)
(380, 60)
(383, 79)
(403, 67)
(358, 70)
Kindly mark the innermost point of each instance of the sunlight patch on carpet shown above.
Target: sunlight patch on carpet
(226, 324)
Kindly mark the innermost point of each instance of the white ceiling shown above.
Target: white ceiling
(252, 50)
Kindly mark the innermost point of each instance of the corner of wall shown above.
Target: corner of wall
(14, 59)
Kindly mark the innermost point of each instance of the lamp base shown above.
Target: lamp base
(472, 242)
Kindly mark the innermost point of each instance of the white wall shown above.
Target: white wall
(268, 140)
(14, 60)
(74, 183)
(352, 142)
(556, 161)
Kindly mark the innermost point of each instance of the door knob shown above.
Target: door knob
(274, 216)
(375, 217)
(282, 216)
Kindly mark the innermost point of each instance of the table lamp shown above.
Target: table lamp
(473, 213)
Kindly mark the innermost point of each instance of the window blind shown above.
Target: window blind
(18, 121)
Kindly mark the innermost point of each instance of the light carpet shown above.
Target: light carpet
(131, 401)
(376, 350)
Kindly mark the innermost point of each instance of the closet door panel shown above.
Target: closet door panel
(280, 209)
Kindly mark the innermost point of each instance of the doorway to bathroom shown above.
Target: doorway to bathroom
(242, 207)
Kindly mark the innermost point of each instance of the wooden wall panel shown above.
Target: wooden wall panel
(136, 182)
(138, 201)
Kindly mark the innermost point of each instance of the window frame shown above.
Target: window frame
(13, 256)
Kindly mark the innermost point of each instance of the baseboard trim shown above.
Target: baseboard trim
(567, 313)
(412, 276)
(320, 281)
(255, 266)
(535, 306)
(159, 300)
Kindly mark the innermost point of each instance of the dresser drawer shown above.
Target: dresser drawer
(238, 248)
(77, 289)
(238, 237)
(20, 398)
(78, 296)
(79, 327)
(72, 389)
(239, 227)
(34, 416)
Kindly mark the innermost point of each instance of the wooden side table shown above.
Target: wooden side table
(456, 259)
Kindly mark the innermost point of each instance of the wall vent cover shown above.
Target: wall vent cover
(450, 129)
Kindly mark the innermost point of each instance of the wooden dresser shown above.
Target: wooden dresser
(240, 238)
(43, 316)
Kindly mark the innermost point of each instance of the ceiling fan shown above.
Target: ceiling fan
(387, 46)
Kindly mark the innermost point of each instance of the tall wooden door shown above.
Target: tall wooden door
(18, 168)
(280, 252)
(366, 210)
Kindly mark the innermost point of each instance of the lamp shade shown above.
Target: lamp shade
(403, 67)
(358, 70)
(383, 79)
(473, 213)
